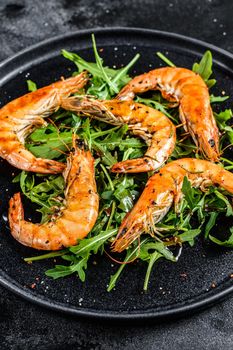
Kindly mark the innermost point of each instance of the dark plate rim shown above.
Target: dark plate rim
(174, 312)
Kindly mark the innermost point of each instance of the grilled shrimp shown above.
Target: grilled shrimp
(151, 125)
(189, 90)
(19, 117)
(74, 221)
(164, 188)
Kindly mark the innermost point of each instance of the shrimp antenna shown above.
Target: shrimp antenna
(59, 150)
(180, 125)
(125, 262)
(223, 150)
(185, 136)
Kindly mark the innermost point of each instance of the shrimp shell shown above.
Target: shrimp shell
(73, 222)
(151, 125)
(189, 90)
(164, 188)
(21, 116)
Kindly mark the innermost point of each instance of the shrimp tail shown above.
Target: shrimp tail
(16, 215)
(26, 161)
(137, 165)
(26, 232)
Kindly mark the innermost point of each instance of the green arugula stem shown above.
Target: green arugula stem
(107, 176)
(46, 256)
(165, 59)
(96, 134)
(126, 68)
(154, 257)
(111, 215)
(129, 256)
(100, 66)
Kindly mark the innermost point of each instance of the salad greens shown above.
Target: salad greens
(197, 213)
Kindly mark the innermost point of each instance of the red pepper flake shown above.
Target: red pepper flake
(33, 285)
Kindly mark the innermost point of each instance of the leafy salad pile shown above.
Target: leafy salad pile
(198, 212)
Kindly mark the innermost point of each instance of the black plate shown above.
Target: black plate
(170, 292)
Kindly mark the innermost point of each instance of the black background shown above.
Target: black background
(25, 326)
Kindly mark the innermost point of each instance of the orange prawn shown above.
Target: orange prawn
(186, 88)
(74, 220)
(19, 117)
(149, 124)
(164, 188)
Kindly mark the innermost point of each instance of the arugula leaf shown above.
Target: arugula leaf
(227, 243)
(189, 235)
(216, 99)
(158, 247)
(153, 258)
(229, 210)
(131, 254)
(151, 252)
(31, 85)
(45, 194)
(93, 244)
(61, 271)
(106, 156)
(204, 68)
(99, 63)
(48, 142)
(211, 222)
(222, 118)
(191, 196)
(105, 81)
(157, 105)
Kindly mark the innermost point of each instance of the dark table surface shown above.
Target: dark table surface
(26, 22)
